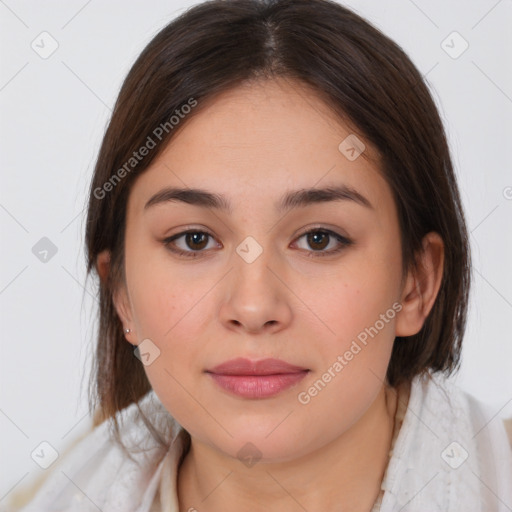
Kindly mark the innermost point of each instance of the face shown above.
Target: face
(250, 282)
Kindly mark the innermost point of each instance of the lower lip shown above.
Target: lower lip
(258, 386)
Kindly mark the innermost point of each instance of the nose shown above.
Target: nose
(256, 298)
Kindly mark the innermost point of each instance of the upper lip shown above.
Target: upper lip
(242, 366)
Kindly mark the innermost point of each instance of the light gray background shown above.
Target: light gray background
(54, 112)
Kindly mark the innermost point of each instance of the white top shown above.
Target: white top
(450, 454)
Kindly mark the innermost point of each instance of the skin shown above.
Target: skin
(252, 144)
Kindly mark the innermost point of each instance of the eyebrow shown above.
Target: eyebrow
(292, 199)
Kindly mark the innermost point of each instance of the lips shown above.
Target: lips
(256, 379)
(241, 366)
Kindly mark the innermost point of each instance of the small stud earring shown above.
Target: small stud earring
(127, 331)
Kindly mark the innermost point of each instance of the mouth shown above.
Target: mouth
(256, 379)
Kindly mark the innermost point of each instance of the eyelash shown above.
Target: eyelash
(344, 242)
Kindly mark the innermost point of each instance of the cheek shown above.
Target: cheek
(171, 314)
(167, 304)
(358, 309)
(352, 362)
(355, 299)
(353, 354)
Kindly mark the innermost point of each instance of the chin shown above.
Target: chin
(250, 445)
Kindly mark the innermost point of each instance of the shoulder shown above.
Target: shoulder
(483, 414)
(453, 446)
(97, 473)
(461, 408)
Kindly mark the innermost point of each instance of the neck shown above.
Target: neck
(345, 474)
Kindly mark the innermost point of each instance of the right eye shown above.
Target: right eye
(195, 240)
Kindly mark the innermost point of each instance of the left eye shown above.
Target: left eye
(320, 239)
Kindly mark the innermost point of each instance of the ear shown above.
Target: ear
(421, 286)
(103, 265)
(119, 298)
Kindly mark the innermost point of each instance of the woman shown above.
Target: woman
(284, 274)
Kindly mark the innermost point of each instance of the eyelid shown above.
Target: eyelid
(318, 227)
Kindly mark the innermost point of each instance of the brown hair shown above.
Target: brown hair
(361, 74)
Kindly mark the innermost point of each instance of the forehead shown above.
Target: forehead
(254, 142)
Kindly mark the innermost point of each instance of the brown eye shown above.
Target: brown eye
(318, 240)
(196, 241)
(188, 243)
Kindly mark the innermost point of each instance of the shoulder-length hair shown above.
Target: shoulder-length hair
(363, 76)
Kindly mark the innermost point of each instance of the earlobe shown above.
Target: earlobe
(421, 287)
